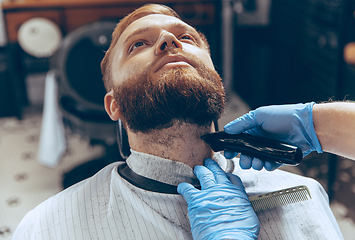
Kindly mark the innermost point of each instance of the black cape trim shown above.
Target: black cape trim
(145, 183)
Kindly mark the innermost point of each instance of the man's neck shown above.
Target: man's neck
(182, 142)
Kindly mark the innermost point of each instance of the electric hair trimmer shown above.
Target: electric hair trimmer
(262, 148)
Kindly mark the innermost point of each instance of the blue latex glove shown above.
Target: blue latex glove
(292, 124)
(221, 209)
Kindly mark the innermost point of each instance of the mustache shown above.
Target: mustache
(176, 51)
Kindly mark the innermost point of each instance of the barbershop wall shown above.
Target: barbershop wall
(297, 56)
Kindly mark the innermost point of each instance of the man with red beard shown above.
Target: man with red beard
(162, 84)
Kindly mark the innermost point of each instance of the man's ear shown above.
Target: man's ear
(111, 106)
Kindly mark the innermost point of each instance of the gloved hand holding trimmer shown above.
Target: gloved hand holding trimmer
(292, 124)
(221, 209)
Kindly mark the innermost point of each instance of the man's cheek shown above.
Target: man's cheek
(136, 68)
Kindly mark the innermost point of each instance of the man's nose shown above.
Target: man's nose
(166, 42)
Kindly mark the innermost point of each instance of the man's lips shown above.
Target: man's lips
(173, 61)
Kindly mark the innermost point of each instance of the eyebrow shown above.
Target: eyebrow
(137, 32)
(147, 29)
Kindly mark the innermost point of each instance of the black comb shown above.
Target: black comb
(259, 147)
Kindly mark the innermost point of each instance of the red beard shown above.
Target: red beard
(179, 94)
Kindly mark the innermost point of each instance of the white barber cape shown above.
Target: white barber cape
(106, 206)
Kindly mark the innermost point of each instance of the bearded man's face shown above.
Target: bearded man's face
(178, 94)
(163, 73)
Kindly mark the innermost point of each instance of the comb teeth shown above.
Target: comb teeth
(280, 198)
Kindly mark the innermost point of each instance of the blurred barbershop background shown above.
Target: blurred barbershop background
(53, 128)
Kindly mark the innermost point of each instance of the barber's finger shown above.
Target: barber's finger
(205, 176)
(186, 190)
(271, 166)
(217, 171)
(234, 179)
(237, 182)
(230, 154)
(241, 124)
(245, 161)
(257, 164)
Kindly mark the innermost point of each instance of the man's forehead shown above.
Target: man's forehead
(152, 21)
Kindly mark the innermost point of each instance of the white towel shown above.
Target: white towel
(52, 144)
